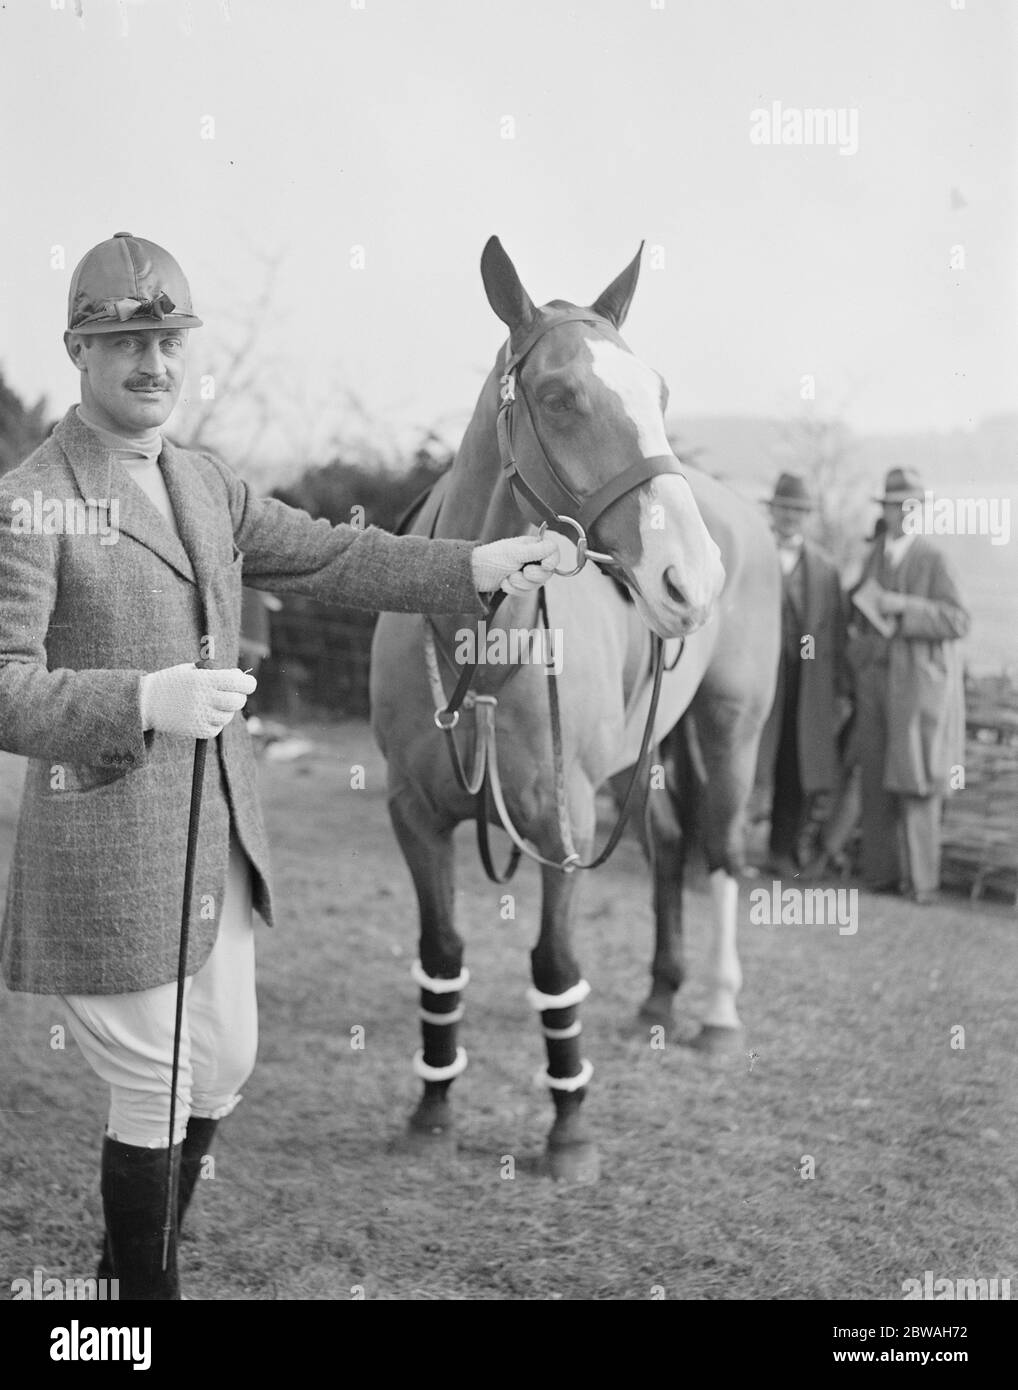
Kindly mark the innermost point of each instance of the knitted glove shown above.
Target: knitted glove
(190, 703)
(500, 564)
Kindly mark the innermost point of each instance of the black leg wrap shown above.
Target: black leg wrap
(563, 1053)
(439, 1039)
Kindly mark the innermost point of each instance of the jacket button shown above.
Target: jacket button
(106, 759)
(128, 757)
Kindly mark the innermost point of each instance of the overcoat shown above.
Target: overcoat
(822, 678)
(95, 888)
(921, 663)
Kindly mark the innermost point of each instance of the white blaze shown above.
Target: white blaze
(676, 544)
(639, 390)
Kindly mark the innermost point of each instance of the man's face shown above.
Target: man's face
(894, 514)
(130, 381)
(786, 522)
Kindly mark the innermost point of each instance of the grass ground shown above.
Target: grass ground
(701, 1194)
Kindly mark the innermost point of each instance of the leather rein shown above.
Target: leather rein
(579, 514)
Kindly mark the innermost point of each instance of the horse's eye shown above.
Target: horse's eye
(557, 404)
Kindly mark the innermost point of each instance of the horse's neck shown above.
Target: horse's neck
(477, 503)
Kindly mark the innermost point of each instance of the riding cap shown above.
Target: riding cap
(128, 282)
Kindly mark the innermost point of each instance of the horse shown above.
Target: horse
(568, 431)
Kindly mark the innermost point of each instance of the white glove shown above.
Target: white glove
(190, 703)
(500, 564)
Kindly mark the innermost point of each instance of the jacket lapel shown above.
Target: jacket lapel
(100, 475)
(193, 507)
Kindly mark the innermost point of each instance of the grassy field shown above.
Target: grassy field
(848, 1060)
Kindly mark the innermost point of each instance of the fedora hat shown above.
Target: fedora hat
(791, 491)
(899, 484)
(128, 283)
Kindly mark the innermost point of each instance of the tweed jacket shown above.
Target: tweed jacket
(921, 665)
(822, 678)
(95, 889)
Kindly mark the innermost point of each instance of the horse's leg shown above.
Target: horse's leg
(665, 826)
(557, 994)
(428, 850)
(728, 738)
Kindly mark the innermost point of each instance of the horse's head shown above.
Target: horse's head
(585, 439)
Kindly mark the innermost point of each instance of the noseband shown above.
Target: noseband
(567, 509)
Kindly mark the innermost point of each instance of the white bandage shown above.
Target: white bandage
(190, 703)
(427, 1073)
(566, 1083)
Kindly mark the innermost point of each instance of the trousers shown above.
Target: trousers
(127, 1039)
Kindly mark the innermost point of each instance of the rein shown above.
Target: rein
(580, 514)
(484, 782)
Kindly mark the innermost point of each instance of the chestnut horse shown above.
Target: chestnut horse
(587, 441)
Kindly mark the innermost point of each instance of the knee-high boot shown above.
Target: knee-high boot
(133, 1191)
(197, 1144)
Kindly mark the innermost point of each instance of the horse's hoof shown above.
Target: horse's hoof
(418, 1141)
(721, 1043)
(573, 1163)
(430, 1129)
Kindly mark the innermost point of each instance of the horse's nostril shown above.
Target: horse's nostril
(672, 589)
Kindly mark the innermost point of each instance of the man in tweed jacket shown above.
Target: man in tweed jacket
(121, 563)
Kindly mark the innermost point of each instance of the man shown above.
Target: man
(910, 711)
(121, 562)
(798, 755)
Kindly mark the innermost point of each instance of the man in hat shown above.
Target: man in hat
(798, 758)
(910, 707)
(121, 563)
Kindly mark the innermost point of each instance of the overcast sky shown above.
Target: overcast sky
(383, 127)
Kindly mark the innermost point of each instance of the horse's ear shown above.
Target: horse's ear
(614, 303)
(506, 294)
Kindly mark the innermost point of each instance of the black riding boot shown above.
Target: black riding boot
(134, 1194)
(197, 1144)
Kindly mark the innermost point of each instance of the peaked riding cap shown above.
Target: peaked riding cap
(128, 282)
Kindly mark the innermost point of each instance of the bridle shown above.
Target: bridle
(484, 782)
(566, 507)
